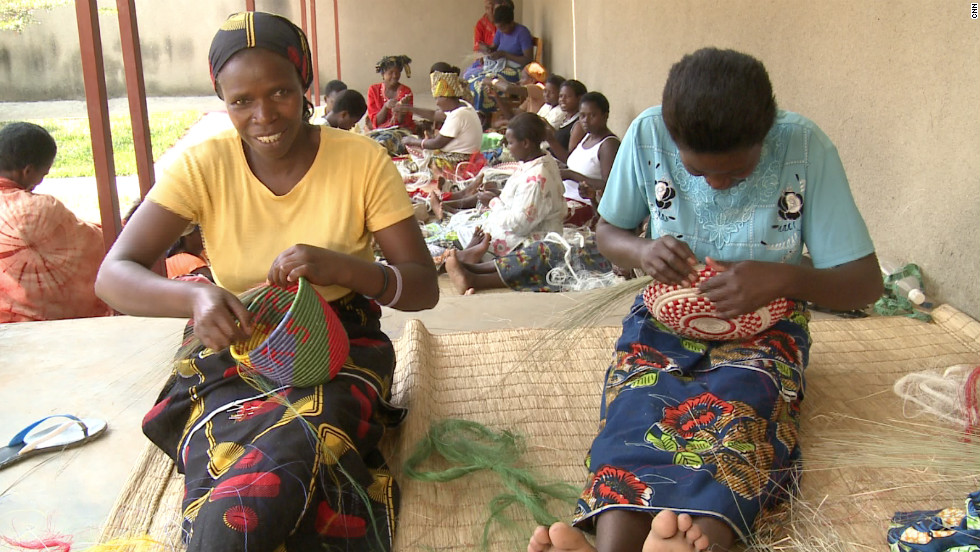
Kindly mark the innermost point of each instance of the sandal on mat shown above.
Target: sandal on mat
(32, 441)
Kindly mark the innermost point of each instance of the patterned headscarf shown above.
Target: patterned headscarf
(261, 30)
(536, 71)
(402, 62)
(446, 85)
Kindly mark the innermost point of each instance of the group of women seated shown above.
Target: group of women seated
(272, 463)
(554, 129)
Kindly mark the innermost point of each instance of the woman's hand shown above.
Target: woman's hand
(496, 54)
(669, 260)
(586, 191)
(741, 287)
(318, 265)
(220, 319)
(411, 141)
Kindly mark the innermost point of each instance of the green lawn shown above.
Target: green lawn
(75, 142)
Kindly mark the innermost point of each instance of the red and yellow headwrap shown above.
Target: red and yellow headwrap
(446, 85)
(261, 30)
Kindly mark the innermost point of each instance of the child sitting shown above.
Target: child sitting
(348, 108)
(187, 258)
(330, 93)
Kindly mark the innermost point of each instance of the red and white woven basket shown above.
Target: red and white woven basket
(690, 314)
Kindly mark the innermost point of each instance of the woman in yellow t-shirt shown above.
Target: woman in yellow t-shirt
(277, 199)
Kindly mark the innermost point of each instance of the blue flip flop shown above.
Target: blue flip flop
(33, 440)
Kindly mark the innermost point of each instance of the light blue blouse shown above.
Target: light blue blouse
(797, 196)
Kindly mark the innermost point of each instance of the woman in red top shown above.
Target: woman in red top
(485, 29)
(383, 96)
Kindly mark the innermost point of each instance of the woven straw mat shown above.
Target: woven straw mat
(547, 389)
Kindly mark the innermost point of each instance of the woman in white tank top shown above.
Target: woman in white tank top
(589, 164)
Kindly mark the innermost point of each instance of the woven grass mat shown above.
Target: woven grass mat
(490, 377)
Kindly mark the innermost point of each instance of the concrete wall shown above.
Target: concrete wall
(43, 63)
(895, 84)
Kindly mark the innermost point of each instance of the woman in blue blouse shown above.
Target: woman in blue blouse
(512, 49)
(696, 436)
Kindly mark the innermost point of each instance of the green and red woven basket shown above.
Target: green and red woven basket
(297, 338)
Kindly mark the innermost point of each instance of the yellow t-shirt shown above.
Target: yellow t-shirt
(351, 190)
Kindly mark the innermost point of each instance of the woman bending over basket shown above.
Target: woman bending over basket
(697, 436)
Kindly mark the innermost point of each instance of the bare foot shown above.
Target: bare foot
(560, 537)
(476, 249)
(473, 186)
(458, 275)
(435, 201)
(670, 532)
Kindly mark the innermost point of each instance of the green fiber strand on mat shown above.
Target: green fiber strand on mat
(471, 447)
(893, 303)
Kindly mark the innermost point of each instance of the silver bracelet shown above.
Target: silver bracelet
(398, 287)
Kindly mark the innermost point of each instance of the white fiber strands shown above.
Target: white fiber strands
(572, 275)
(939, 393)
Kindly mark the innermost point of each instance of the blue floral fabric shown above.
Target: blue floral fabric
(947, 530)
(703, 427)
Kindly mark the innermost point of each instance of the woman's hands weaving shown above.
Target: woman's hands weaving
(668, 260)
(741, 287)
(320, 266)
(220, 319)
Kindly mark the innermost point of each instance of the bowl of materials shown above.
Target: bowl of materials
(297, 339)
(690, 314)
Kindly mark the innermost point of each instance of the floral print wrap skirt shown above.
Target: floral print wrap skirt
(526, 268)
(703, 427)
(284, 468)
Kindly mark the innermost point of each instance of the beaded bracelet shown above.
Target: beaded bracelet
(398, 287)
(384, 288)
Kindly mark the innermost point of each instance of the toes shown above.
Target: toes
(539, 540)
(693, 533)
(684, 522)
(664, 524)
(701, 543)
(565, 537)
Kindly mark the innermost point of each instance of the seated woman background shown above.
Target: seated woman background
(48, 258)
(512, 49)
(589, 164)
(568, 134)
(551, 110)
(461, 133)
(528, 94)
(288, 467)
(437, 116)
(484, 30)
(388, 126)
(529, 208)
